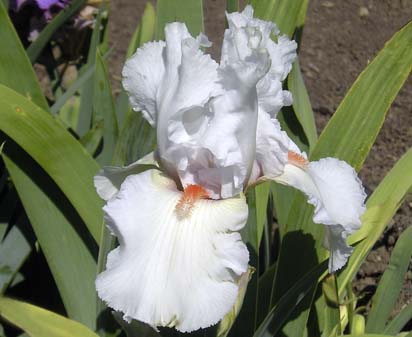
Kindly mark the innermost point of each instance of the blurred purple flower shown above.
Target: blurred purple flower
(45, 6)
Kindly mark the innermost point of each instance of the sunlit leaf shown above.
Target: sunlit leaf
(188, 11)
(301, 104)
(68, 255)
(105, 113)
(59, 154)
(381, 207)
(38, 322)
(68, 247)
(92, 138)
(232, 6)
(399, 321)
(87, 96)
(285, 13)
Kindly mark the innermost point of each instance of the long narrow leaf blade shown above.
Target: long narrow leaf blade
(103, 105)
(296, 293)
(72, 90)
(38, 322)
(16, 71)
(399, 321)
(232, 6)
(86, 102)
(285, 13)
(59, 154)
(390, 284)
(70, 261)
(301, 104)
(188, 11)
(381, 207)
(145, 30)
(68, 247)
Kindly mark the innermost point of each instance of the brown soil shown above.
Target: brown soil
(340, 38)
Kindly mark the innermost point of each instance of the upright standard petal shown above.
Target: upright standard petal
(271, 95)
(166, 79)
(332, 186)
(282, 53)
(142, 77)
(216, 146)
(190, 81)
(180, 256)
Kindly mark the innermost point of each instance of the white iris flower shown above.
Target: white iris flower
(181, 255)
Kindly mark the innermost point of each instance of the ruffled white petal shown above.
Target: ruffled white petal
(190, 81)
(234, 47)
(171, 270)
(271, 96)
(341, 192)
(142, 77)
(335, 241)
(109, 179)
(197, 76)
(333, 187)
(216, 146)
(282, 53)
(221, 158)
(171, 81)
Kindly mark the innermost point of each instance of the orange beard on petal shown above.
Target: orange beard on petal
(191, 194)
(297, 160)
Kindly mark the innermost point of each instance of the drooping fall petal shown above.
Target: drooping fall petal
(179, 257)
(334, 189)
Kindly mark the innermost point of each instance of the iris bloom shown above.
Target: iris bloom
(181, 255)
